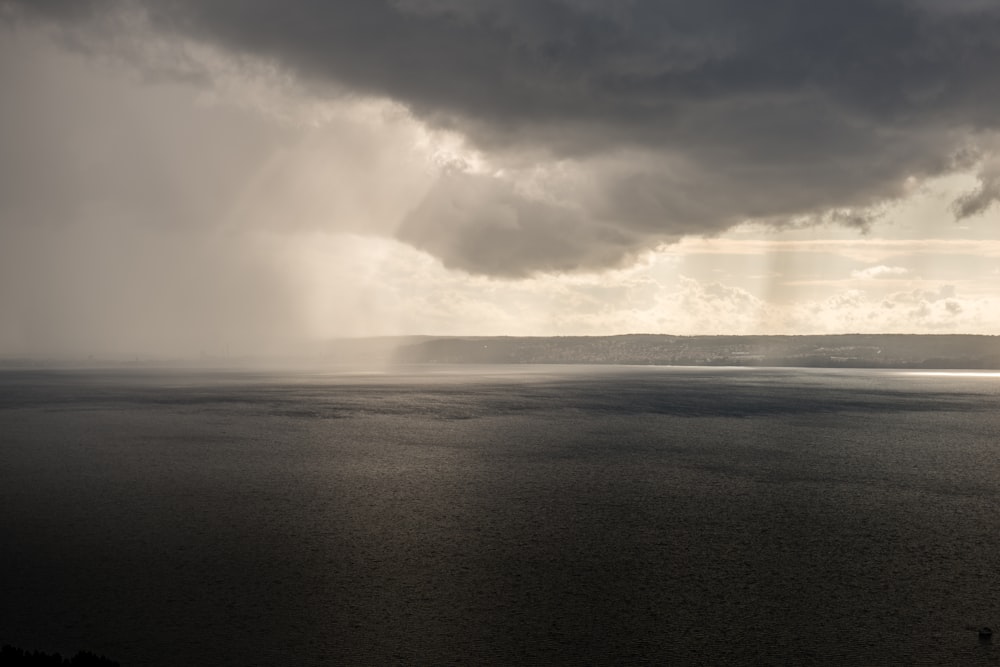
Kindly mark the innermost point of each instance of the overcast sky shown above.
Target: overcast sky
(201, 175)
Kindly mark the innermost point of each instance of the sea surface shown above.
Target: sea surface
(501, 515)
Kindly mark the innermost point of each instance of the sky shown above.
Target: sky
(212, 176)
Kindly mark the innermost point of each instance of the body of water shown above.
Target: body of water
(500, 515)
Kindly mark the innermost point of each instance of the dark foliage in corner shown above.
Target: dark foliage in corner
(11, 656)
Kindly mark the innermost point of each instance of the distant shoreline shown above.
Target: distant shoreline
(916, 351)
(885, 351)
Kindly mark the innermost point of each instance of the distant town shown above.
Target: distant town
(836, 351)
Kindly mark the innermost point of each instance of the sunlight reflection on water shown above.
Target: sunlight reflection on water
(956, 374)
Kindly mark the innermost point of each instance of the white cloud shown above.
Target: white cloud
(938, 310)
(880, 271)
(865, 249)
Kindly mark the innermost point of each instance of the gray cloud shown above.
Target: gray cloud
(673, 118)
(985, 195)
(483, 225)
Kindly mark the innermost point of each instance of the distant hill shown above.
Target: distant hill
(836, 351)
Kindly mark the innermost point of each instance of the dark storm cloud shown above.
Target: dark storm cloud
(681, 118)
(62, 9)
(623, 70)
(985, 195)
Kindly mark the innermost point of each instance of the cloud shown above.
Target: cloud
(919, 310)
(880, 271)
(987, 193)
(482, 224)
(609, 128)
(870, 250)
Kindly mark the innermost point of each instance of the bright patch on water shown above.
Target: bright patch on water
(954, 374)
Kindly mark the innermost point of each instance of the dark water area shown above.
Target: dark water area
(499, 515)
